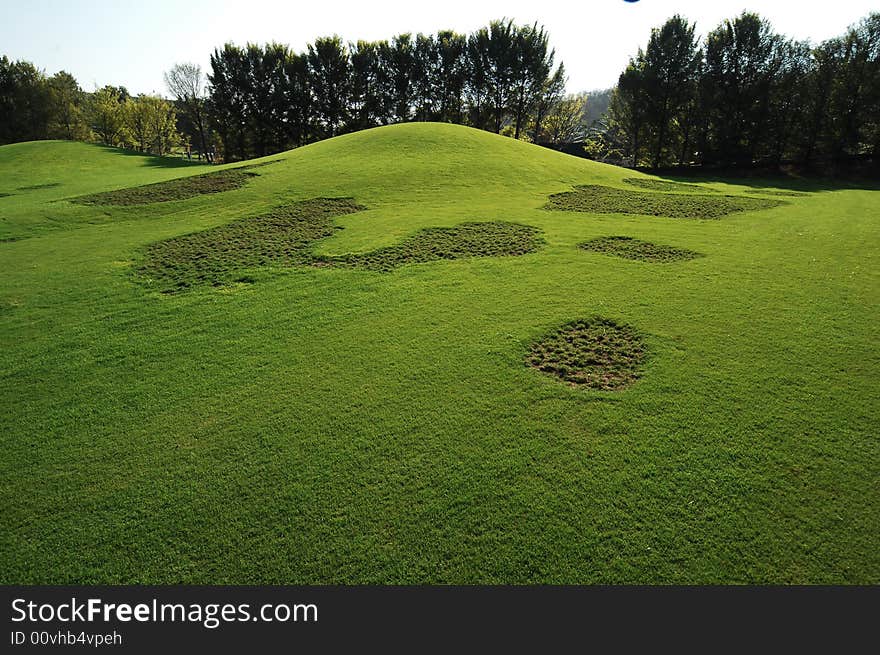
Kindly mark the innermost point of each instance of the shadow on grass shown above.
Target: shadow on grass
(764, 181)
(154, 161)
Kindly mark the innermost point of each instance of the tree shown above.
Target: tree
(186, 83)
(329, 72)
(477, 87)
(151, 123)
(399, 59)
(67, 108)
(789, 98)
(263, 94)
(139, 123)
(366, 92)
(24, 102)
(627, 109)
(566, 122)
(265, 98)
(499, 44)
(551, 93)
(297, 99)
(451, 75)
(107, 114)
(669, 76)
(226, 105)
(424, 77)
(532, 62)
(741, 63)
(855, 93)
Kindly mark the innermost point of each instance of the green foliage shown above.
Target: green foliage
(743, 58)
(108, 115)
(186, 83)
(267, 99)
(594, 353)
(566, 120)
(597, 199)
(627, 110)
(226, 103)
(151, 123)
(67, 109)
(24, 102)
(747, 96)
(630, 248)
(329, 81)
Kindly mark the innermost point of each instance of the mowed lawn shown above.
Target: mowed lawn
(333, 425)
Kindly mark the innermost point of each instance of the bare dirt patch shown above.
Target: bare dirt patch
(489, 239)
(598, 199)
(286, 236)
(220, 255)
(37, 187)
(630, 248)
(180, 189)
(594, 353)
(666, 185)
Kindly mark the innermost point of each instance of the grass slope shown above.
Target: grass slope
(38, 173)
(349, 426)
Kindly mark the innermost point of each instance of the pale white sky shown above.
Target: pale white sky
(130, 43)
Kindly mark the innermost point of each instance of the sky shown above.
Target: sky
(131, 44)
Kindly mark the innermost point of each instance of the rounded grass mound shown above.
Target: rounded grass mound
(593, 353)
(597, 199)
(630, 248)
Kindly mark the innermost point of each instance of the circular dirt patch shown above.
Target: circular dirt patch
(595, 353)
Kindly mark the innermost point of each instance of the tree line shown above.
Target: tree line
(34, 106)
(746, 95)
(741, 96)
(260, 99)
(263, 99)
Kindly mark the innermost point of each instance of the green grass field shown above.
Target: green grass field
(297, 421)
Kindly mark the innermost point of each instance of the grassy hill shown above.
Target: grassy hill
(294, 415)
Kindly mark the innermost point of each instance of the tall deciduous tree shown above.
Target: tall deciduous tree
(151, 123)
(330, 81)
(187, 84)
(532, 62)
(741, 62)
(226, 104)
(501, 57)
(24, 102)
(669, 73)
(366, 90)
(108, 115)
(566, 122)
(451, 75)
(551, 93)
(628, 107)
